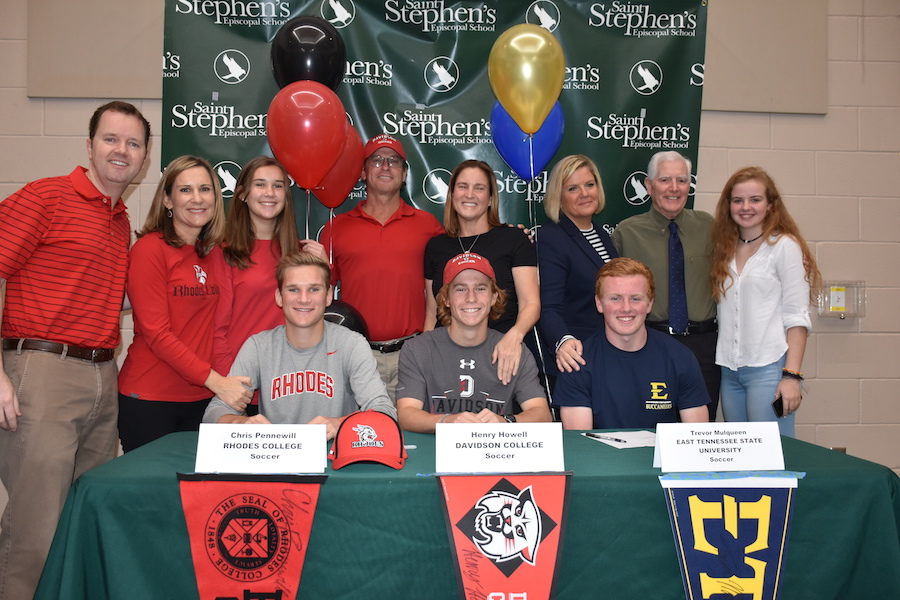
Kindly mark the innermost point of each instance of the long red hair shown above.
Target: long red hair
(778, 221)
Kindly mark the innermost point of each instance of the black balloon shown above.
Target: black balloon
(343, 314)
(308, 48)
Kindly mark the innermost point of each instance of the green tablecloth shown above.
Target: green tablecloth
(380, 533)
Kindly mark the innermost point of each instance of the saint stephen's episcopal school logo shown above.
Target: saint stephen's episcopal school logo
(250, 541)
(507, 525)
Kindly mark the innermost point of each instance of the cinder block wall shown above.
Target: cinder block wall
(840, 176)
(839, 173)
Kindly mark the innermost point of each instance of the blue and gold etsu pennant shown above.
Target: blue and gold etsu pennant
(731, 541)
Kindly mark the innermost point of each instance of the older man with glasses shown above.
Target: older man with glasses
(676, 243)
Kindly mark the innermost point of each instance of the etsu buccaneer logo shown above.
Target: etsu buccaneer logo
(249, 542)
(507, 526)
(367, 437)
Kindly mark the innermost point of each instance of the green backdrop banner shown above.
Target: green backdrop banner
(417, 69)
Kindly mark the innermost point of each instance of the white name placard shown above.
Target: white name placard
(261, 449)
(684, 447)
(498, 447)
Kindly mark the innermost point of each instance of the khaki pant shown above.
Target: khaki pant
(68, 425)
(387, 368)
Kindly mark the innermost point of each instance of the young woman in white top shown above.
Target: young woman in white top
(764, 278)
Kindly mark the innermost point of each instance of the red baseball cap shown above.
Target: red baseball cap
(467, 260)
(383, 140)
(368, 435)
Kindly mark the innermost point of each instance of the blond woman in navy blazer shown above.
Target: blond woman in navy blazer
(571, 249)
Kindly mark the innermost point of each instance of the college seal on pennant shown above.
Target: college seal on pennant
(250, 541)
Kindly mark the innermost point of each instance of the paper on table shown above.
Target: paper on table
(623, 439)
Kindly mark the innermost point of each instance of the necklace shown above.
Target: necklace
(469, 251)
(749, 241)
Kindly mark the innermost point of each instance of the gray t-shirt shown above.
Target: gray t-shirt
(333, 378)
(449, 378)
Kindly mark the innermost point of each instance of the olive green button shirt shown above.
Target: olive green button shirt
(646, 238)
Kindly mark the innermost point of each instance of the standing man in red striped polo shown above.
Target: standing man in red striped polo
(63, 257)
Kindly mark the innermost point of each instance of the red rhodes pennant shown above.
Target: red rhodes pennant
(505, 532)
(248, 533)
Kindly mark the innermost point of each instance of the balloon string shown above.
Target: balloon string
(537, 335)
(531, 156)
(331, 237)
(308, 204)
(334, 291)
(530, 199)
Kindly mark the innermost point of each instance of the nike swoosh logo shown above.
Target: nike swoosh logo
(330, 353)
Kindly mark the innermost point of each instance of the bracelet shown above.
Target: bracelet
(787, 373)
(562, 341)
(441, 420)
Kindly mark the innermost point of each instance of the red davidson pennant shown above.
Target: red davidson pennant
(248, 533)
(505, 532)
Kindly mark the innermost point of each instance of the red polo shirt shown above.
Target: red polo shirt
(64, 254)
(382, 267)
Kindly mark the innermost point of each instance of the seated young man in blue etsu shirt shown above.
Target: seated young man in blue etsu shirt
(634, 377)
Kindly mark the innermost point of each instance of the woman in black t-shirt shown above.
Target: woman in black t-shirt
(472, 223)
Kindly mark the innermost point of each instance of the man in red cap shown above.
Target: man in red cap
(378, 251)
(446, 375)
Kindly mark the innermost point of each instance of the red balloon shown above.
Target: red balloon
(338, 183)
(306, 125)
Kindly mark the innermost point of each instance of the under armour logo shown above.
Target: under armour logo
(466, 364)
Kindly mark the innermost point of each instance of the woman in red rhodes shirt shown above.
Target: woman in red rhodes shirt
(174, 285)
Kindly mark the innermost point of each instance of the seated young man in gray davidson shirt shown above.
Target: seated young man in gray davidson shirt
(447, 375)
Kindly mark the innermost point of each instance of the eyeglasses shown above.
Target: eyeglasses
(392, 161)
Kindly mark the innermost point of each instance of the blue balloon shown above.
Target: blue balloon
(513, 145)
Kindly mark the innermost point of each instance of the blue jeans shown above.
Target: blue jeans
(748, 393)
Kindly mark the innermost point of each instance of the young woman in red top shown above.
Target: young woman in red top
(259, 229)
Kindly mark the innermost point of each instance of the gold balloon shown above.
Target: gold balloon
(526, 69)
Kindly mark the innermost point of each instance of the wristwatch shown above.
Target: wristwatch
(510, 418)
